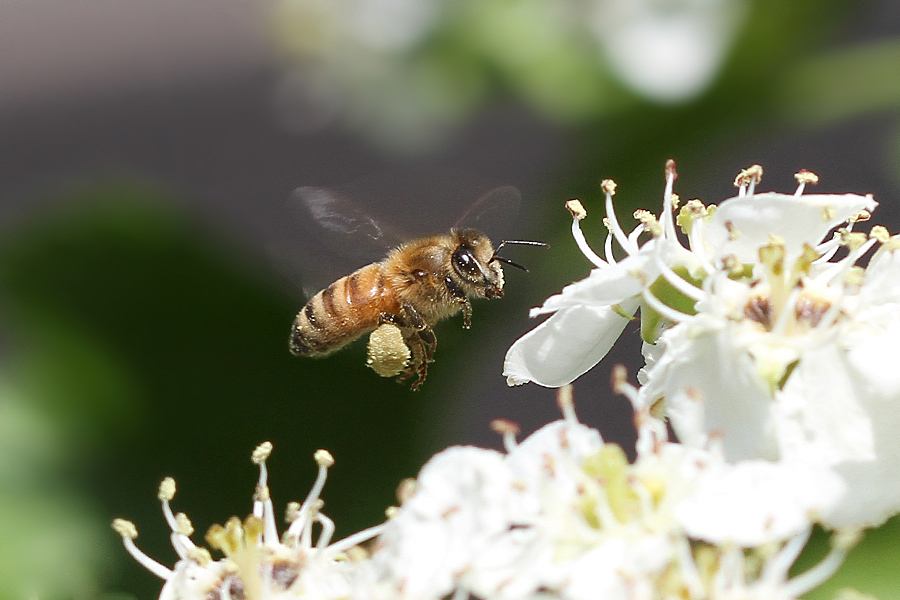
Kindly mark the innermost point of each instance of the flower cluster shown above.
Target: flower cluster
(764, 334)
(560, 514)
(256, 563)
(768, 324)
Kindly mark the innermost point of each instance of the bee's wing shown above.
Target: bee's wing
(493, 213)
(327, 236)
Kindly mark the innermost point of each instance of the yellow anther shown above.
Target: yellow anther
(166, 489)
(880, 233)
(261, 453)
(853, 240)
(125, 528)
(323, 458)
(752, 174)
(199, 555)
(292, 512)
(619, 378)
(806, 177)
(406, 489)
(733, 232)
(504, 426)
(860, 217)
(576, 209)
(183, 525)
(676, 201)
(608, 186)
(648, 220)
(828, 213)
(253, 529)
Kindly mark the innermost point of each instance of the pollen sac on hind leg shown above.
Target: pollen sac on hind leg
(388, 354)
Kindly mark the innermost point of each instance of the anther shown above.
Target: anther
(406, 489)
(619, 378)
(166, 490)
(880, 233)
(576, 209)
(648, 220)
(201, 556)
(184, 525)
(671, 170)
(292, 512)
(125, 528)
(509, 430)
(504, 426)
(860, 217)
(608, 186)
(261, 453)
(323, 458)
(805, 177)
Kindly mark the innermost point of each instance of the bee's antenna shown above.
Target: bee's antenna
(505, 260)
(520, 243)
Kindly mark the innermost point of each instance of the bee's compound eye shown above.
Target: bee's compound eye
(465, 263)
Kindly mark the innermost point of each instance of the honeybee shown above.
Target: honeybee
(419, 283)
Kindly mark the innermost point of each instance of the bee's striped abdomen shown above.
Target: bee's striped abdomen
(340, 313)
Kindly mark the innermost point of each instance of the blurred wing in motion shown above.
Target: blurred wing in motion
(493, 213)
(327, 236)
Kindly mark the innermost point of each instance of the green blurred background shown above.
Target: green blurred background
(147, 264)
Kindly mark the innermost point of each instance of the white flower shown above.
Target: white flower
(563, 515)
(791, 364)
(590, 314)
(257, 564)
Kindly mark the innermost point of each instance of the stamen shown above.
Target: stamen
(676, 316)
(406, 489)
(566, 403)
(609, 186)
(747, 179)
(128, 532)
(262, 502)
(509, 430)
(636, 233)
(690, 575)
(840, 267)
(180, 542)
(324, 460)
(777, 568)
(667, 219)
(607, 243)
(327, 531)
(355, 539)
(803, 178)
(674, 279)
(814, 577)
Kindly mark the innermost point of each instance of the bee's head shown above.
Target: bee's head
(472, 264)
(478, 264)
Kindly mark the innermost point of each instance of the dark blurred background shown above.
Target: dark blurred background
(149, 272)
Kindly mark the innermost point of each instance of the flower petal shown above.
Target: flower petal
(606, 286)
(741, 225)
(711, 390)
(757, 502)
(566, 345)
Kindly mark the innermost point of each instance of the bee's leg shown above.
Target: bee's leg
(425, 333)
(422, 343)
(460, 298)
